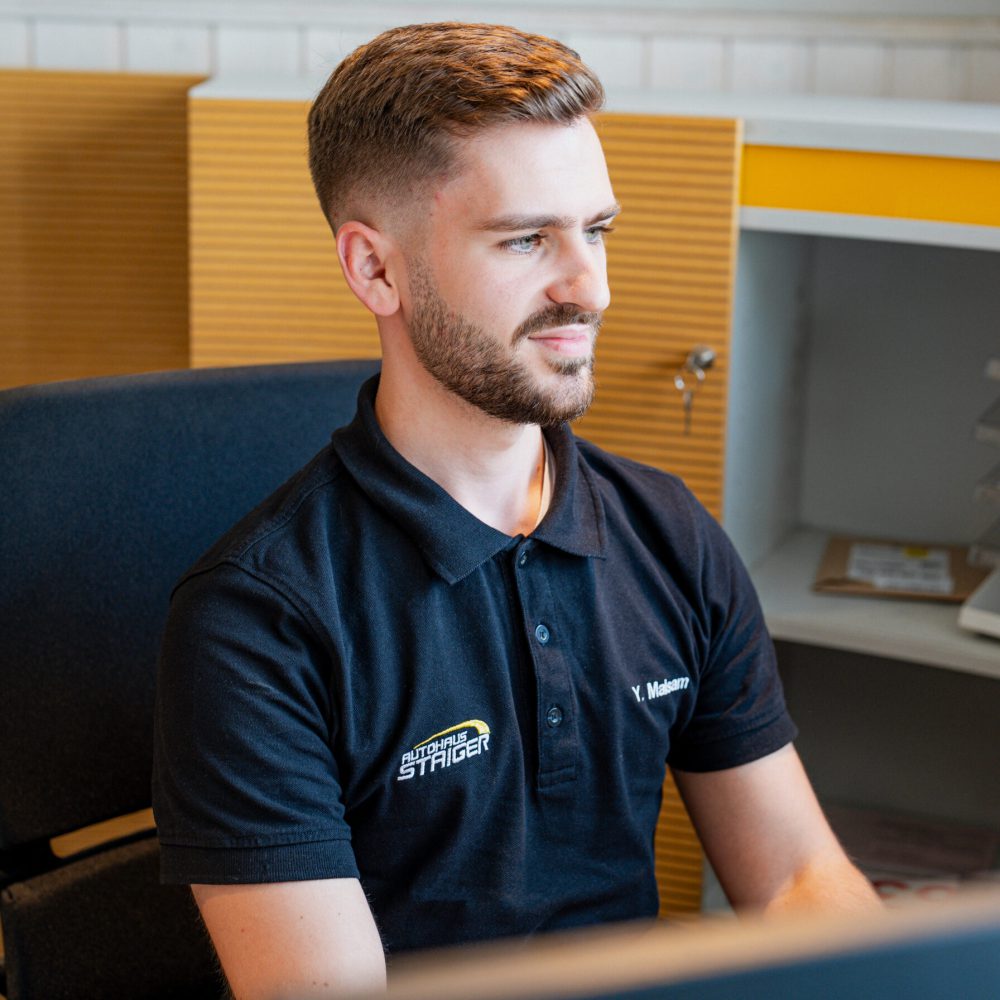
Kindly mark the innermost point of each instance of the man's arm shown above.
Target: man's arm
(768, 840)
(293, 939)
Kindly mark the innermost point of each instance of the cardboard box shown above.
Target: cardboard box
(834, 576)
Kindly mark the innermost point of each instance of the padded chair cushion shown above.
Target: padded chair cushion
(109, 489)
(104, 927)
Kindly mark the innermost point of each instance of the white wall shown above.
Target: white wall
(780, 46)
(904, 7)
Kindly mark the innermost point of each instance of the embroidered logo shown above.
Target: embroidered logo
(657, 689)
(444, 749)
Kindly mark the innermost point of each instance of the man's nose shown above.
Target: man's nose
(582, 279)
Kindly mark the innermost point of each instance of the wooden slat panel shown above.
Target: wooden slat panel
(265, 282)
(266, 286)
(671, 267)
(93, 224)
(678, 857)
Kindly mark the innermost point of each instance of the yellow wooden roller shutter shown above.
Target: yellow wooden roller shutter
(93, 224)
(671, 265)
(266, 285)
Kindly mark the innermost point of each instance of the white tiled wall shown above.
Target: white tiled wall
(854, 69)
(984, 74)
(325, 47)
(690, 64)
(772, 66)
(619, 60)
(265, 49)
(932, 71)
(659, 47)
(169, 48)
(14, 47)
(77, 44)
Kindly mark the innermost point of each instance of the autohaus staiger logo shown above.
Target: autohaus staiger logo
(445, 749)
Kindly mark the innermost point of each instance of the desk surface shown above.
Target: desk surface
(910, 952)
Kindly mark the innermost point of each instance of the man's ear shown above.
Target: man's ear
(364, 254)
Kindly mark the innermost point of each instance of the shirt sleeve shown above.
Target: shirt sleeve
(739, 714)
(245, 783)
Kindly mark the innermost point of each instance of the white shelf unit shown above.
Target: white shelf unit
(916, 631)
(855, 383)
(981, 612)
(883, 125)
(856, 378)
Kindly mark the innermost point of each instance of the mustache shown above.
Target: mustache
(564, 314)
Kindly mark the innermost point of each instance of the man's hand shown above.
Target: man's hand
(293, 939)
(768, 840)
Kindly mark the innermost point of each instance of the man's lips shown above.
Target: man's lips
(570, 341)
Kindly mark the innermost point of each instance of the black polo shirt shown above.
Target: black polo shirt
(362, 679)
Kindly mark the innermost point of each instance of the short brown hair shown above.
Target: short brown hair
(383, 124)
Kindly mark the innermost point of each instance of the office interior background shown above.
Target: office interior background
(150, 226)
(107, 271)
(878, 48)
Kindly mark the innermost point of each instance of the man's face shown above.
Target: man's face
(509, 280)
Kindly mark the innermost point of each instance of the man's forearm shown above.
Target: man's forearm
(288, 940)
(835, 885)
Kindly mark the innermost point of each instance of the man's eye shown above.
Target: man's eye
(523, 244)
(596, 234)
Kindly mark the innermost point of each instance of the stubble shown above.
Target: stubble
(486, 372)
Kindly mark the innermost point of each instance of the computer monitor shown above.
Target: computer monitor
(933, 951)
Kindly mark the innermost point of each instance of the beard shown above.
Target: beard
(484, 372)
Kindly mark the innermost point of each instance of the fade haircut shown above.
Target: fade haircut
(385, 123)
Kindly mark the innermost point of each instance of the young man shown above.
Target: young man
(432, 686)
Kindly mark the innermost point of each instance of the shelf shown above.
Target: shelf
(981, 612)
(916, 631)
(898, 126)
(871, 227)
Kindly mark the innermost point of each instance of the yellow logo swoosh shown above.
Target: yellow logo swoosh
(477, 724)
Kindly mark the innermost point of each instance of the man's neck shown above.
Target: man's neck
(494, 469)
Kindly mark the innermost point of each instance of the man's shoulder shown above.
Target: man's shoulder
(628, 477)
(653, 509)
(286, 520)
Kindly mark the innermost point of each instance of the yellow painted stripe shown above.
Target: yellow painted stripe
(929, 188)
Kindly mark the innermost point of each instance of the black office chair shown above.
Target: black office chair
(109, 489)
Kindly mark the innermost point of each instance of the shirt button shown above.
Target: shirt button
(523, 558)
(554, 716)
(542, 634)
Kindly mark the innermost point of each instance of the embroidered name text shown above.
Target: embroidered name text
(657, 689)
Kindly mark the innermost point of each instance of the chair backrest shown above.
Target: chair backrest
(109, 489)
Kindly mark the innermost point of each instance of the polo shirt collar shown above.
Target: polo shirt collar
(453, 541)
